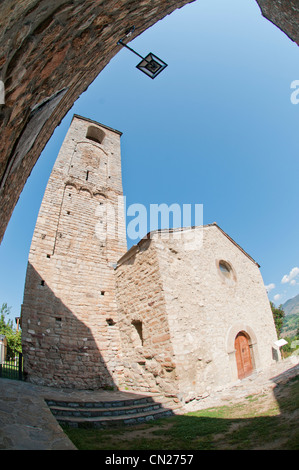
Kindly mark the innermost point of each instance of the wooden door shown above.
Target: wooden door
(243, 356)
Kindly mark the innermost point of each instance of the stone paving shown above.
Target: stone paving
(26, 422)
(259, 381)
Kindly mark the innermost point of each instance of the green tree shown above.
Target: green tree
(13, 337)
(278, 315)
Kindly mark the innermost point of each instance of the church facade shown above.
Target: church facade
(182, 312)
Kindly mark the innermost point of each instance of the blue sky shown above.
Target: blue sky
(217, 127)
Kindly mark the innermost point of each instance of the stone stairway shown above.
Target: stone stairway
(102, 414)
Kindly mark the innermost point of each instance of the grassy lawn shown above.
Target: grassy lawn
(264, 421)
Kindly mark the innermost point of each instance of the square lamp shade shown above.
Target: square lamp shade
(151, 65)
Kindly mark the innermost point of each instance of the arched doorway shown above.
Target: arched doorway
(243, 355)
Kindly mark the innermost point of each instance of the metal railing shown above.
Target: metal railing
(13, 368)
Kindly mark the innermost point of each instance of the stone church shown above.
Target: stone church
(165, 316)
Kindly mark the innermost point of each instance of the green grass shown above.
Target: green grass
(260, 421)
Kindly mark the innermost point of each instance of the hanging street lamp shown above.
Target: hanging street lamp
(151, 65)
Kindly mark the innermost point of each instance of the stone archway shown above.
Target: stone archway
(52, 51)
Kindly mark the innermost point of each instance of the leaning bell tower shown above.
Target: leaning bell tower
(69, 325)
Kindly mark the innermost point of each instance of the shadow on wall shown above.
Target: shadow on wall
(59, 350)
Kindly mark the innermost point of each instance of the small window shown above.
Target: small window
(87, 174)
(95, 134)
(137, 336)
(227, 272)
(225, 268)
(42, 282)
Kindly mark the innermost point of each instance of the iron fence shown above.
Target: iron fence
(13, 368)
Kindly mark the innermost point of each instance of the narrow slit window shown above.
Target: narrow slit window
(87, 174)
(137, 334)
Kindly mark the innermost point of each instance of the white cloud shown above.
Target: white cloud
(276, 297)
(270, 287)
(293, 282)
(290, 277)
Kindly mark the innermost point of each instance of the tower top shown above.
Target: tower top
(97, 123)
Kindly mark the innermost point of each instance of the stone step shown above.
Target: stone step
(101, 414)
(99, 404)
(89, 412)
(111, 421)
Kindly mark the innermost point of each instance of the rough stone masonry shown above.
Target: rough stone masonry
(180, 313)
(191, 304)
(69, 310)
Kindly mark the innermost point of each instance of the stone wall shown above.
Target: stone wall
(52, 51)
(69, 311)
(204, 309)
(190, 312)
(162, 317)
(147, 351)
(284, 14)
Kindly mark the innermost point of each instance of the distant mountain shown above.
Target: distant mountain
(290, 325)
(291, 306)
